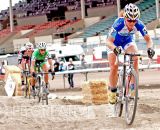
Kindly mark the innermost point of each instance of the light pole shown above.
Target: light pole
(82, 9)
(157, 9)
(118, 7)
(11, 15)
(157, 15)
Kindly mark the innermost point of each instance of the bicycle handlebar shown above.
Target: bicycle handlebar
(133, 54)
(46, 73)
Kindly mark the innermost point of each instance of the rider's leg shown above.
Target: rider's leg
(33, 82)
(113, 77)
(45, 69)
(22, 66)
(133, 49)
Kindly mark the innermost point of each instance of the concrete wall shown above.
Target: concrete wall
(90, 21)
(93, 12)
(18, 43)
(77, 25)
(102, 11)
(32, 20)
(23, 32)
(47, 39)
(72, 14)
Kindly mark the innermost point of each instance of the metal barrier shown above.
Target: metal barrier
(107, 69)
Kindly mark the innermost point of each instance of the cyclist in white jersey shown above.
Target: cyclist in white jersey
(121, 35)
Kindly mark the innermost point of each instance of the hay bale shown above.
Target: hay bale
(2, 90)
(2, 83)
(95, 92)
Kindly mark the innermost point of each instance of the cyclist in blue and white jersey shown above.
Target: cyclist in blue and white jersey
(120, 36)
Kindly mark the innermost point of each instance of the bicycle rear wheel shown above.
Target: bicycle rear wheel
(26, 85)
(45, 98)
(39, 89)
(131, 96)
(45, 95)
(118, 108)
(26, 82)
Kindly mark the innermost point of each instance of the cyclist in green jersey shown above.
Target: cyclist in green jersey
(40, 57)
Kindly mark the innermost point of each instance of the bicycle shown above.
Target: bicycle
(41, 86)
(27, 77)
(126, 95)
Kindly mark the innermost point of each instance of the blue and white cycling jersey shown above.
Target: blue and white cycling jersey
(122, 35)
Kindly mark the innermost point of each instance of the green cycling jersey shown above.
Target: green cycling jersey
(40, 59)
(37, 56)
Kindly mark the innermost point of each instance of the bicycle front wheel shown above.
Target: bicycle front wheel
(44, 93)
(131, 96)
(118, 107)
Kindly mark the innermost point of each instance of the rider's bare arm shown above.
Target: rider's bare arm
(32, 65)
(110, 44)
(50, 63)
(148, 41)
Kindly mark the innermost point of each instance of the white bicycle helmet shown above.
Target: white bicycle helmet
(131, 11)
(42, 45)
(29, 45)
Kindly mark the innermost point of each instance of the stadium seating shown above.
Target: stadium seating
(148, 14)
(60, 26)
(101, 27)
(6, 32)
(37, 7)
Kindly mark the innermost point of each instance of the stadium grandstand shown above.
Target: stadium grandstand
(62, 21)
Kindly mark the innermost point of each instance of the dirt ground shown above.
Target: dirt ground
(66, 111)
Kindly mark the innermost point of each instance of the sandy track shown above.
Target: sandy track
(18, 113)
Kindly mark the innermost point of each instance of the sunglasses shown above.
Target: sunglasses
(131, 21)
(42, 49)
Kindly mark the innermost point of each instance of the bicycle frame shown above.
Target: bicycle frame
(124, 69)
(26, 77)
(124, 96)
(41, 84)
